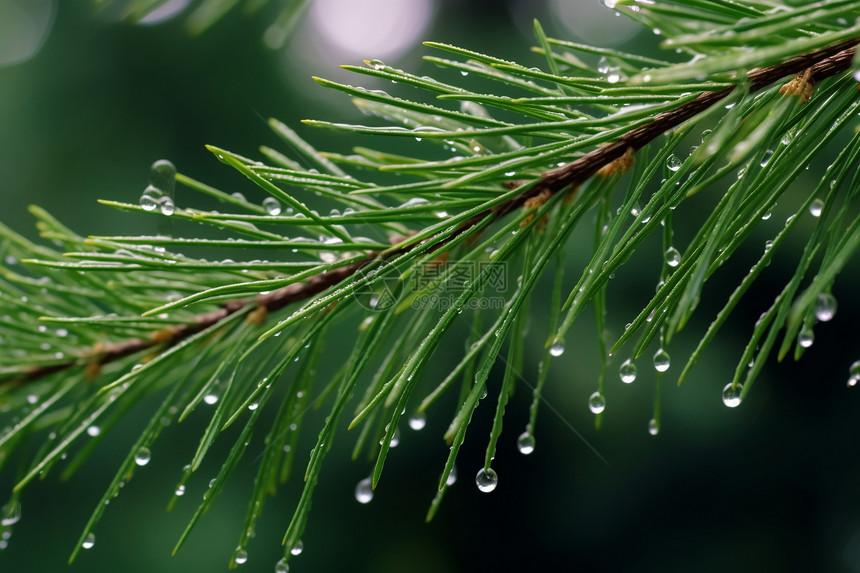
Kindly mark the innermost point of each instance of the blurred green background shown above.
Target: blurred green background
(88, 103)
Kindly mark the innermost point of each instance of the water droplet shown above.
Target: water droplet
(852, 380)
(661, 360)
(596, 403)
(603, 64)
(395, 439)
(297, 548)
(418, 421)
(806, 337)
(162, 174)
(653, 427)
(766, 158)
(767, 214)
(11, 514)
(557, 348)
(148, 202)
(272, 206)
(673, 163)
(282, 566)
(94, 431)
(627, 371)
(253, 406)
(526, 443)
(825, 306)
(672, 257)
(486, 480)
(615, 75)
(452, 476)
(210, 399)
(166, 206)
(89, 541)
(363, 491)
(816, 207)
(142, 456)
(240, 556)
(180, 490)
(732, 395)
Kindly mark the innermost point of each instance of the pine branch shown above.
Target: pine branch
(147, 318)
(821, 64)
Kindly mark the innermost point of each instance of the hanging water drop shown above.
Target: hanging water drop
(93, 431)
(816, 207)
(11, 514)
(806, 337)
(364, 491)
(767, 214)
(854, 372)
(282, 566)
(672, 257)
(89, 541)
(452, 476)
(557, 348)
(627, 371)
(418, 421)
(253, 406)
(486, 480)
(615, 75)
(297, 548)
(272, 206)
(603, 64)
(148, 202)
(162, 175)
(661, 360)
(596, 403)
(210, 399)
(653, 427)
(732, 395)
(142, 456)
(395, 439)
(766, 158)
(825, 306)
(673, 163)
(240, 556)
(166, 206)
(526, 443)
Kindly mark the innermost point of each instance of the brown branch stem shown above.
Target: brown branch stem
(820, 63)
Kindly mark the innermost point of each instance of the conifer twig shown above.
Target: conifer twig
(817, 65)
